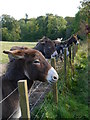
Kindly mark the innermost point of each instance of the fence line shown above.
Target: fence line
(71, 62)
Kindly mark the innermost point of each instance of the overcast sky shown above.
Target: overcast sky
(34, 8)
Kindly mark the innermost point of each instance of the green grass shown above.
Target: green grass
(8, 45)
(72, 100)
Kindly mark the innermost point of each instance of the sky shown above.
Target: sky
(35, 8)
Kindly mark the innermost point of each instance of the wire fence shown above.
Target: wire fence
(36, 87)
(6, 99)
(8, 95)
(64, 86)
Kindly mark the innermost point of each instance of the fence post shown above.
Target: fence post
(88, 39)
(73, 55)
(73, 52)
(70, 54)
(65, 59)
(55, 92)
(76, 48)
(24, 102)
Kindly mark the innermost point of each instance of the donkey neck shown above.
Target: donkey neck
(13, 74)
(15, 70)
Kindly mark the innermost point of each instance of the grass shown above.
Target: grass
(72, 99)
(8, 45)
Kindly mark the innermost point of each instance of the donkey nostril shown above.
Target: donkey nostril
(54, 77)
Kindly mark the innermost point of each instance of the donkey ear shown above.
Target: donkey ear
(43, 42)
(16, 54)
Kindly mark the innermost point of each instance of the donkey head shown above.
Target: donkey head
(47, 47)
(75, 39)
(35, 66)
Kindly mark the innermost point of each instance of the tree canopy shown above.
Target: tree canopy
(52, 26)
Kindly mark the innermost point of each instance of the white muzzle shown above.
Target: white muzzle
(54, 54)
(52, 76)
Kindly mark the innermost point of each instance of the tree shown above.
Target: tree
(56, 26)
(69, 26)
(81, 18)
(10, 28)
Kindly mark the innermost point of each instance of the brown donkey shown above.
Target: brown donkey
(27, 64)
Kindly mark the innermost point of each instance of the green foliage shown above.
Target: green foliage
(78, 23)
(32, 29)
(10, 28)
(56, 26)
(69, 27)
(50, 25)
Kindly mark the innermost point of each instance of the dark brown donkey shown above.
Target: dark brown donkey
(27, 64)
(46, 47)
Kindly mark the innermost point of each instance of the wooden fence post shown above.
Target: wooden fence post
(24, 102)
(65, 60)
(55, 92)
(76, 48)
(73, 52)
(73, 55)
(70, 55)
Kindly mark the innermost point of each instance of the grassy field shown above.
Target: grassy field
(8, 45)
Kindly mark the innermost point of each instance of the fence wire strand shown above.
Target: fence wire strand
(39, 98)
(8, 95)
(35, 88)
(35, 116)
(39, 110)
(12, 114)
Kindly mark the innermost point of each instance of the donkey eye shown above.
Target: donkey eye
(36, 61)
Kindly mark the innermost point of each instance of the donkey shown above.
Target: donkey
(70, 41)
(46, 47)
(27, 64)
(65, 44)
